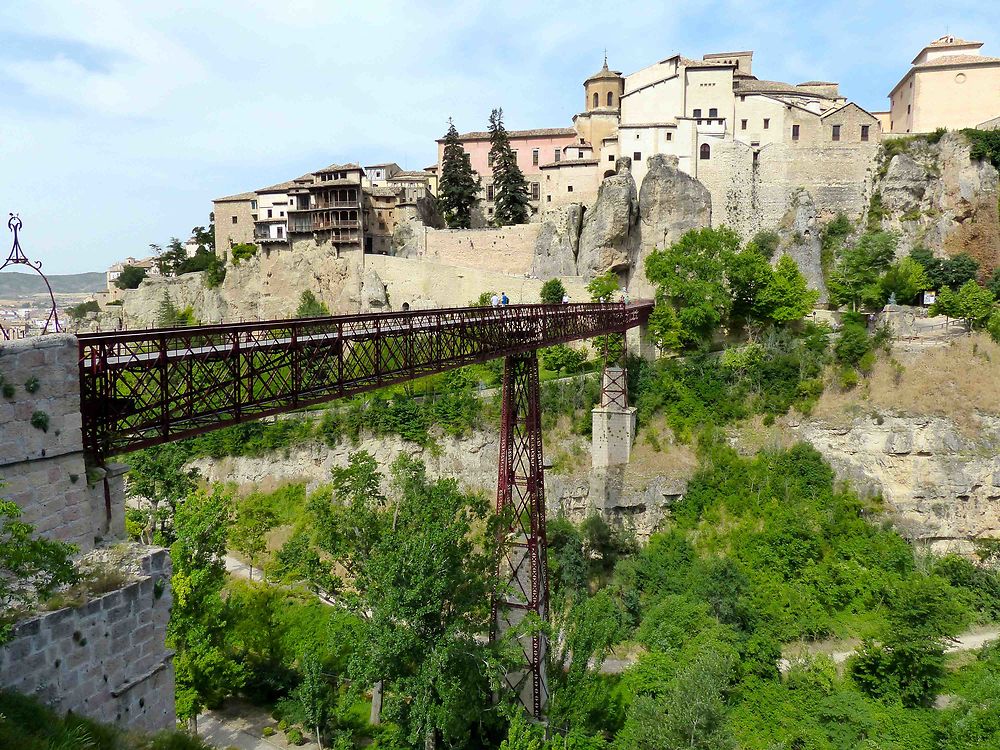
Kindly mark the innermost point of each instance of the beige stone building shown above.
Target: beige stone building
(951, 84)
(234, 220)
(381, 206)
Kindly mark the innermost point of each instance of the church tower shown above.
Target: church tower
(597, 124)
(604, 89)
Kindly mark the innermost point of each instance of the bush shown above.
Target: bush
(294, 737)
(852, 344)
(847, 378)
(242, 251)
(130, 277)
(552, 292)
(79, 312)
(766, 242)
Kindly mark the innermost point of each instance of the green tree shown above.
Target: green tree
(205, 238)
(563, 358)
(421, 582)
(458, 188)
(552, 292)
(766, 243)
(310, 307)
(906, 278)
(248, 534)
(787, 298)
(170, 316)
(994, 284)
(748, 273)
(946, 272)
(158, 481)
(510, 189)
(79, 312)
(972, 303)
(603, 287)
(313, 693)
(205, 669)
(169, 261)
(691, 289)
(855, 279)
(31, 567)
(130, 277)
(924, 613)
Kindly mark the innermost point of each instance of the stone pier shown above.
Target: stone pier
(613, 422)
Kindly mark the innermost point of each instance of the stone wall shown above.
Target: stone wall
(41, 465)
(500, 249)
(105, 660)
(424, 284)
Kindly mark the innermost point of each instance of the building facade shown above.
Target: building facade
(234, 218)
(951, 84)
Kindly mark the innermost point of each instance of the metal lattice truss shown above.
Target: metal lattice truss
(522, 576)
(142, 388)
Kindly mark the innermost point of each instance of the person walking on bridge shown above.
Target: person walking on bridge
(495, 300)
(503, 298)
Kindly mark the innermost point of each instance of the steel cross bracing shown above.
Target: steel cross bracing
(522, 575)
(142, 388)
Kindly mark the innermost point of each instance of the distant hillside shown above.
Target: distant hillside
(18, 284)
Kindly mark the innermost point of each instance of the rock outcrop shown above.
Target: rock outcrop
(671, 202)
(373, 295)
(558, 242)
(941, 485)
(608, 234)
(802, 241)
(938, 196)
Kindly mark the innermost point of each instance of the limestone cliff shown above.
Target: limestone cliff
(558, 242)
(941, 485)
(267, 286)
(802, 242)
(608, 232)
(936, 195)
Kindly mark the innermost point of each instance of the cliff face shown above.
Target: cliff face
(267, 286)
(936, 195)
(941, 485)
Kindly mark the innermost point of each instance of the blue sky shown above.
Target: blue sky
(120, 121)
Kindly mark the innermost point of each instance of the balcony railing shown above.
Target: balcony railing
(313, 226)
(332, 204)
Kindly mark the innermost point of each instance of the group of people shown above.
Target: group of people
(498, 300)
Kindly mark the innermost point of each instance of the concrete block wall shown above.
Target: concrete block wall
(42, 470)
(106, 659)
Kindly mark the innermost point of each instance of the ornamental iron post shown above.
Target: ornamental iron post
(16, 257)
(522, 581)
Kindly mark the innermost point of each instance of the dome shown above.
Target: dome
(604, 73)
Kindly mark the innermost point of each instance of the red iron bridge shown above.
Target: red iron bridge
(143, 388)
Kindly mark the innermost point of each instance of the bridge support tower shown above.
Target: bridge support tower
(523, 587)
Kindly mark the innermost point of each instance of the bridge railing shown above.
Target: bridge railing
(141, 388)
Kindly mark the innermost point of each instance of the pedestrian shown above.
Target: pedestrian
(625, 296)
(495, 300)
(503, 298)
(565, 298)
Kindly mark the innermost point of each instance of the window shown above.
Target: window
(235, 219)
(596, 101)
(548, 198)
(536, 190)
(281, 232)
(907, 109)
(611, 157)
(743, 124)
(534, 157)
(489, 192)
(579, 153)
(569, 188)
(281, 213)
(490, 159)
(558, 155)
(611, 99)
(864, 132)
(253, 205)
(705, 152)
(795, 132)
(696, 114)
(836, 132)
(269, 213)
(670, 136)
(767, 123)
(637, 156)
(713, 112)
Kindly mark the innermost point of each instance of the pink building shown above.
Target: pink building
(533, 149)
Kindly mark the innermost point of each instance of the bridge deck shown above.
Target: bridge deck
(141, 388)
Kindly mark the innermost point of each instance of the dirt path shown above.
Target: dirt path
(241, 725)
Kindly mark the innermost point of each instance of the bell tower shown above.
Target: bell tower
(604, 90)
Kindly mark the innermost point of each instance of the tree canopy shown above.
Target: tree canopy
(510, 189)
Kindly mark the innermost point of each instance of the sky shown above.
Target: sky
(121, 121)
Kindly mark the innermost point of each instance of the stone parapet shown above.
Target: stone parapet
(106, 659)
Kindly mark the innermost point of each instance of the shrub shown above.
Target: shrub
(79, 312)
(40, 421)
(294, 736)
(243, 251)
(130, 277)
(552, 292)
(867, 363)
(766, 242)
(847, 378)
(852, 344)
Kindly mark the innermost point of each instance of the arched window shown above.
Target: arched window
(706, 151)
(611, 99)
(597, 101)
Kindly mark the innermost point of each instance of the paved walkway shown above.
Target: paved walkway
(239, 724)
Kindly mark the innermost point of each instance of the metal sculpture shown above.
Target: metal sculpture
(523, 586)
(18, 258)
